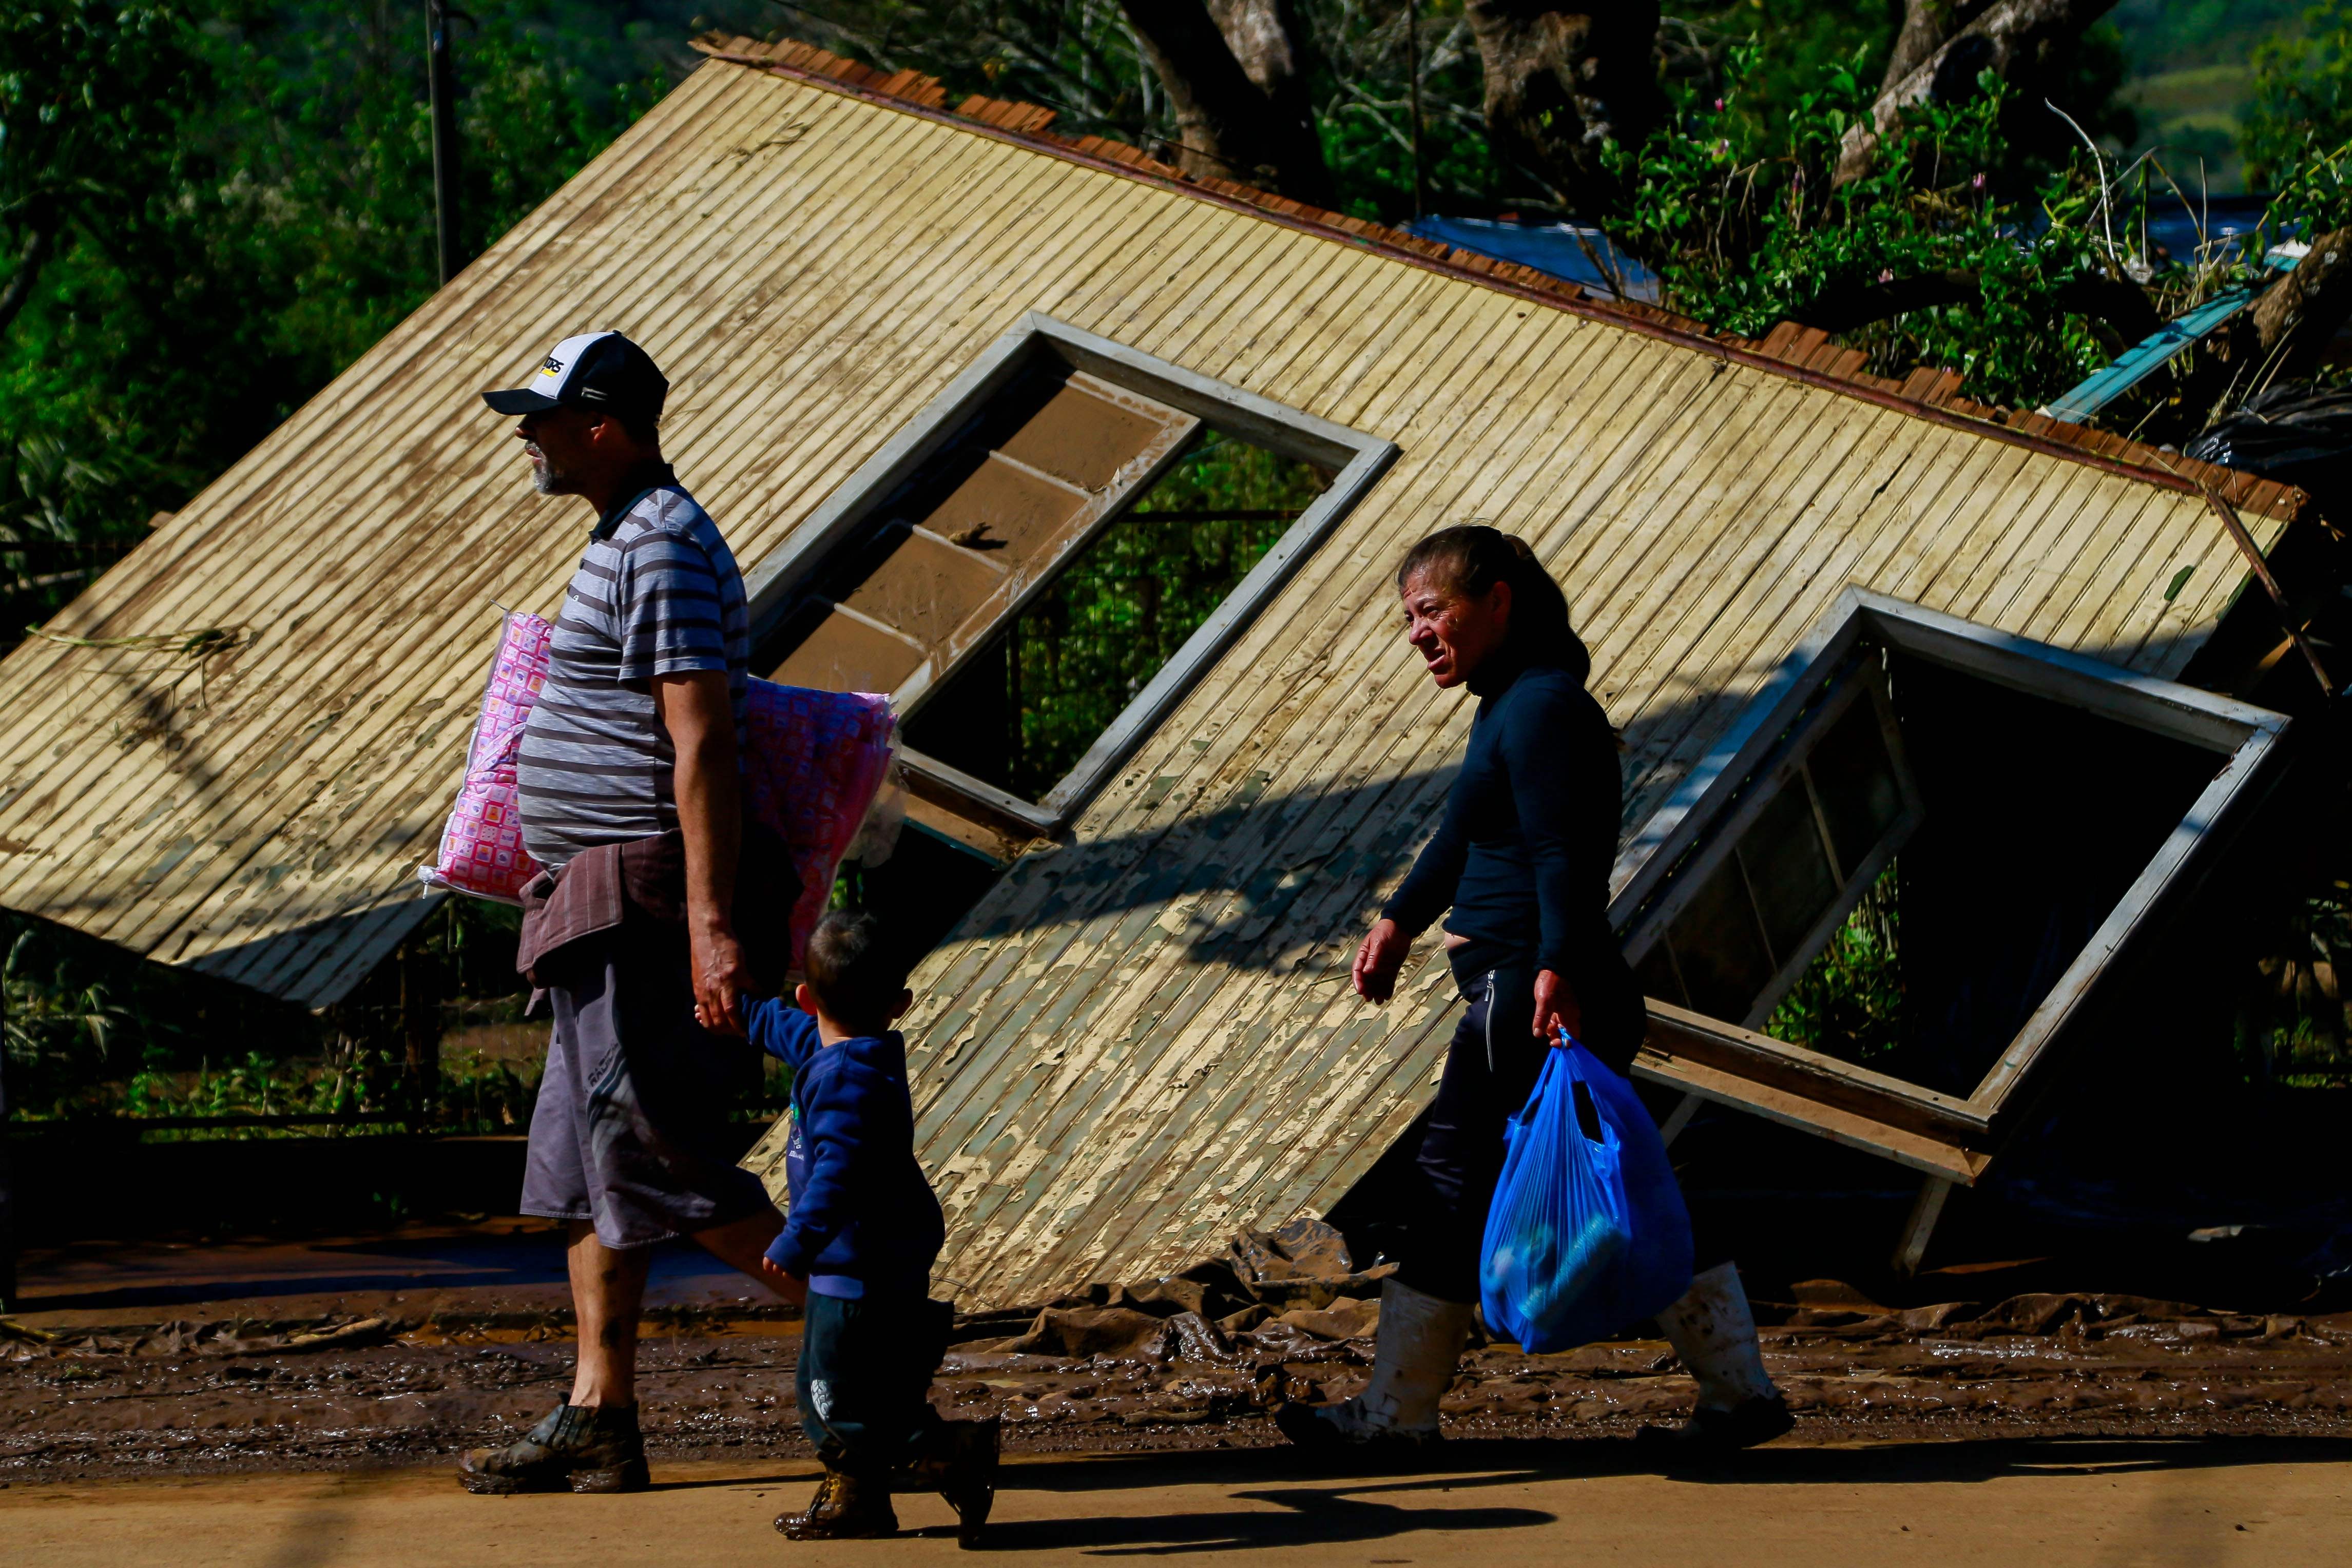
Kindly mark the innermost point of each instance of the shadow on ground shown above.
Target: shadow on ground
(1343, 1502)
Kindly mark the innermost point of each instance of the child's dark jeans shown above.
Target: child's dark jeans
(866, 1377)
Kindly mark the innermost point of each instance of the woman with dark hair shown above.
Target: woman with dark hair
(1522, 858)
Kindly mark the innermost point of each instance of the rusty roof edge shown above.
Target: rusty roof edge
(910, 92)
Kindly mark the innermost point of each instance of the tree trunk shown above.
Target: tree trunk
(1269, 42)
(1927, 25)
(1237, 84)
(2014, 39)
(1561, 83)
(2300, 314)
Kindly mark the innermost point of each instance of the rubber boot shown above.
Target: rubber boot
(846, 1508)
(961, 1468)
(1714, 1332)
(1420, 1343)
(579, 1447)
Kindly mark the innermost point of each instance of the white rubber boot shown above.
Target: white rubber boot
(1713, 1330)
(1419, 1346)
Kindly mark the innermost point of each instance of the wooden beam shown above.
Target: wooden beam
(986, 842)
(929, 779)
(1929, 1155)
(1803, 1074)
(1927, 1208)
(2292, 623)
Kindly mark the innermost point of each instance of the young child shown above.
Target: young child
(858, 1248)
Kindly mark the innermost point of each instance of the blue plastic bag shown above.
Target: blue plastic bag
(1584, 1236)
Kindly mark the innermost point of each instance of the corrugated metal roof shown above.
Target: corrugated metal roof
(1143, 1038)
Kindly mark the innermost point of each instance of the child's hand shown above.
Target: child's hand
(791, 1287)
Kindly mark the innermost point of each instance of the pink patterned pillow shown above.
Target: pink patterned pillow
(481, 848)
(814, 762)
(817, 759)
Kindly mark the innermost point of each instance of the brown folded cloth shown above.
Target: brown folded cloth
(600, 888)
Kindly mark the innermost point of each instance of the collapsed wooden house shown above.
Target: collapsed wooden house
(923, 353)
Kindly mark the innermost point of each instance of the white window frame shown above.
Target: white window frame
(776, 583)
(1949, 1136)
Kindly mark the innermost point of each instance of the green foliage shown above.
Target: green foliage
(1742, 221)
(93, 1030)
(1849, 1001)
(89, 97)
(1363, 90)
(1076, 57)
(2297, 130)
(91, 159)
(58, 1012)
(244, 204)
(1777, 54)
(1079, 59)
(467, 1094)
(1087, 645)
(2169, 34)
(2295, 1026)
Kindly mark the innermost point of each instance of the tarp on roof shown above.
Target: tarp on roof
(1584, 256)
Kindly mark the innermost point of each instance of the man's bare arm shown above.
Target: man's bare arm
(699, 715)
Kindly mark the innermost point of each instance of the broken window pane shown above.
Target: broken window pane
(1655, 975)
(1720, 947)
(1855, 778)
(1788, 870)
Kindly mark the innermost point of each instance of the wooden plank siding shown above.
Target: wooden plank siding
(1143, 1038)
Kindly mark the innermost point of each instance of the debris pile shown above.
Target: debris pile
(1285, 1293)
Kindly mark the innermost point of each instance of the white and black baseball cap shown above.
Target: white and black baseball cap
(601, 372)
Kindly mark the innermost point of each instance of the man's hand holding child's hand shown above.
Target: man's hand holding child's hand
(791, 1287)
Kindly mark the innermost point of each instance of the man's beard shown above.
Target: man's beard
(545, 476)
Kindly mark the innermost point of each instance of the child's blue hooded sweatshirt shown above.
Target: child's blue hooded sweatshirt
(864, 1219)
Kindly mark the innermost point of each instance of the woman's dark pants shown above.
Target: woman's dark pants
(865, 1377)
(1490, 1070)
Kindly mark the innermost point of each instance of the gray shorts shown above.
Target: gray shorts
(631, 1129)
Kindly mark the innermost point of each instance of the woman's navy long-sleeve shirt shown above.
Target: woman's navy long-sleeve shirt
(1524, 852)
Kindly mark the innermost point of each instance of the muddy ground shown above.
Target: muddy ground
(367, 1391)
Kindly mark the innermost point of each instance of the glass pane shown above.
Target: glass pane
(1854, 778)
(1023, 711)
(1788, 870)
(1655, 975)
(1720, 948)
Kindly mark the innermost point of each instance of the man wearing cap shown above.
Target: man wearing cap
(629, 795)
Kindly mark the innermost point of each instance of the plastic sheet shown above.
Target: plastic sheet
(2298, 433)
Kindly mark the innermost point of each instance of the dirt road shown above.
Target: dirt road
(2273, 1503)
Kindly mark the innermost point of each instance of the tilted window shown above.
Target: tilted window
(2040, 808)
(1049, 460)
(1786, 865)
(1039, 566)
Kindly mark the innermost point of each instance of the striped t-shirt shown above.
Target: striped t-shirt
(657, 593)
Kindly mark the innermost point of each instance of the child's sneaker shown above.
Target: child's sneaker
(961, 1468)
(844, 1508)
